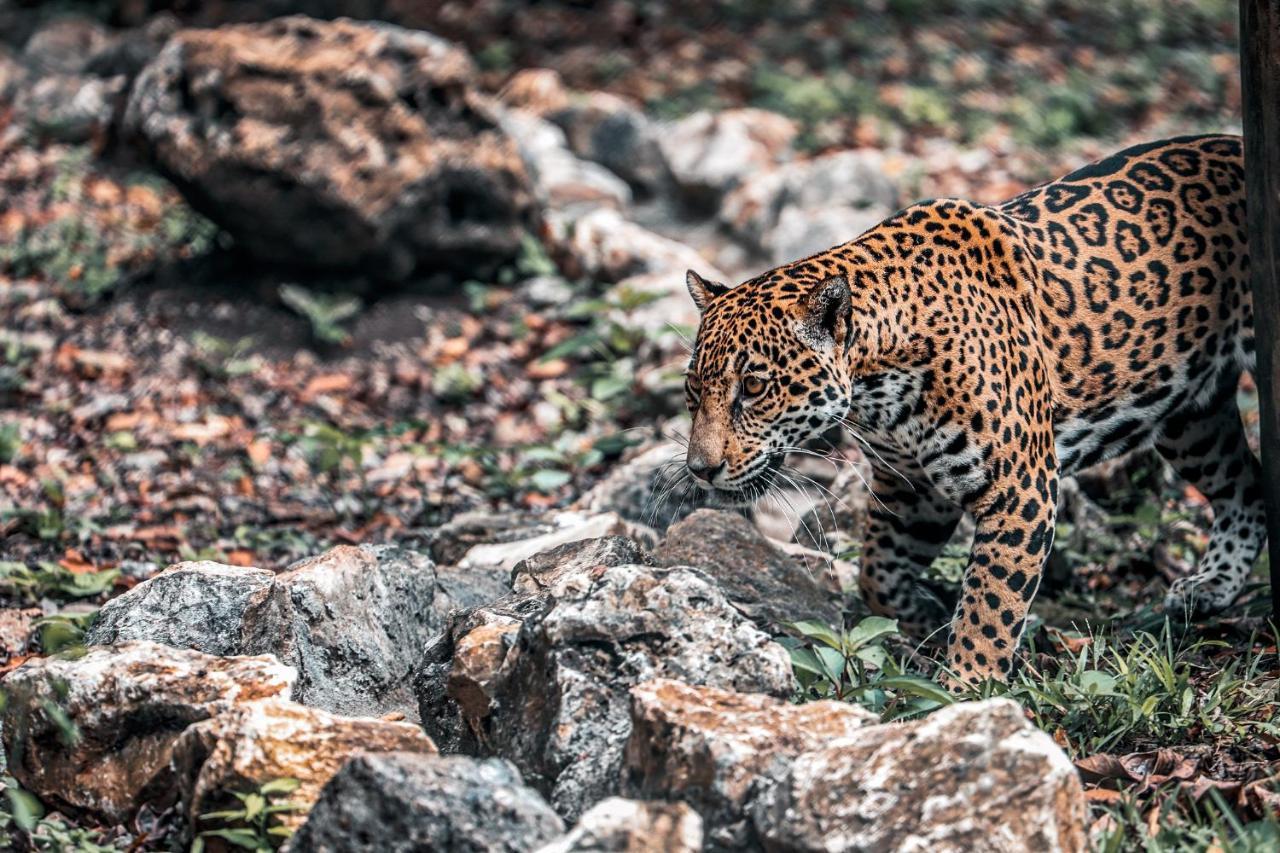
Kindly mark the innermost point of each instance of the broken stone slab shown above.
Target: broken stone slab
(402, 802)
(381, 142)
(130, 703)
(971, 776)
(770, 586)
(618, 824)
(253, 743)
(352, 620)
(710, 747)
(560, 709)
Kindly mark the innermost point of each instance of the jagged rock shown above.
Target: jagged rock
(451, 541)
(256, 742)
(129, 703)
(768, 585)
(801, 232)
(710, 747)
(562, 179)
(463, 669)
(379, 142)
(613, 132)
(972, 776)
(711, 153)
(630, 826)
(844, 179)
(401, 802)
(606, 247)
(206, 606)
(352, 620)
(648, 489)
(559, 707)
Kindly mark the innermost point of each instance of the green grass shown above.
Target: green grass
(1118, 693)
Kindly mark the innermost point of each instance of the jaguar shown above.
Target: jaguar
(983, 353)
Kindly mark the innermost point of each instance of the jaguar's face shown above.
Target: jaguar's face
(767, 374)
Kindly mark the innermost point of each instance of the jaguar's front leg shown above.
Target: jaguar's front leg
(1013, 538)
(908, 523)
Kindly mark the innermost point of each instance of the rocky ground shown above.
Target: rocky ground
(423, 300)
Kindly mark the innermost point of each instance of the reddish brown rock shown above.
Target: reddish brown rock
(710, 747)
(257, 742)
(372, 135)
(129, 704)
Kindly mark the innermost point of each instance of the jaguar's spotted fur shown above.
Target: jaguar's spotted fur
(984, 352)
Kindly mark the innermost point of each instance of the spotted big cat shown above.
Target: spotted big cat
(984, 352)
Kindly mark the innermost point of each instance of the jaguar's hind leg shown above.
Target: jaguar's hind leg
(1208, 449)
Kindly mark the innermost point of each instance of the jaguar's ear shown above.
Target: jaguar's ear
(828, 314)
(703, 291)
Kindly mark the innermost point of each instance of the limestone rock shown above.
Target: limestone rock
(631, 826)
(561, 710)
(373, 135)
(768, 585)
(402, 802)
(352, 620)
(463, 669)
(130, 703)
(710, 747)
(206, 606)
(711, 153)
(972, 776)
(256, 742)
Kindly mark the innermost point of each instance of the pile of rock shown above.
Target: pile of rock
(597, 695)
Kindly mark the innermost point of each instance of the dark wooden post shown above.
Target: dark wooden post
(1260, 75)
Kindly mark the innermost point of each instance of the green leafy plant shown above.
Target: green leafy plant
(27, 584)
(325, 312)
(254, 825)
(855, 665)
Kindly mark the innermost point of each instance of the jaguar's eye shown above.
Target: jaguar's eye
(752, 386)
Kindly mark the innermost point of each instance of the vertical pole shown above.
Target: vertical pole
(1260, 78)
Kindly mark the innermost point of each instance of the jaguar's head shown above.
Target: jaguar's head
(768, 372)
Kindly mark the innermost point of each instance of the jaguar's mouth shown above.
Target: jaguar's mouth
(748, 491)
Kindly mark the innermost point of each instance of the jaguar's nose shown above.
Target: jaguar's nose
(703, 468)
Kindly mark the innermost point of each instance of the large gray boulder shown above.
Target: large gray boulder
(372, 135)
(129, 704)
(352, 621)
(542, 677)
(616, 134)
(403, 802)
